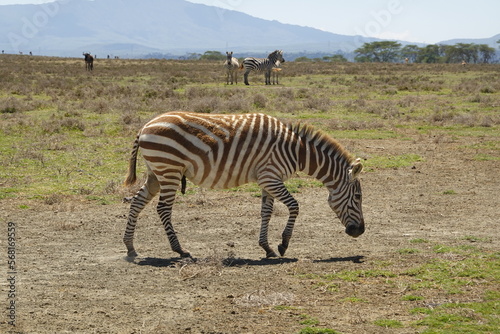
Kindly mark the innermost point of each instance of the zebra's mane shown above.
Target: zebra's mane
(310, 134)
(275, 52)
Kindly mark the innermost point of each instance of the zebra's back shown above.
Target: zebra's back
(256, 64)
(213, 151)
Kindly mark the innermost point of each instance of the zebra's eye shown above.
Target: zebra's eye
(357, 197)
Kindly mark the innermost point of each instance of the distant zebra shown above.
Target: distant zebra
(225, 151)
(89, 61)
(231, 65)
(275, 71)
(262, 64)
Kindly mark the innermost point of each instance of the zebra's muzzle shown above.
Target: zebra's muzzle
(355, 229)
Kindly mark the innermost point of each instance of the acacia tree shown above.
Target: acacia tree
(486, 53)
(410, 52)
(429, 54)
(384, 51)
(335, 59)
(213, 55)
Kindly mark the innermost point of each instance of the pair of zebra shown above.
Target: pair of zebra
(267, 65)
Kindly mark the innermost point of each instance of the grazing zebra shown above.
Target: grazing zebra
(231, 65)
(89, 61)
(263, 64)
(224, 151)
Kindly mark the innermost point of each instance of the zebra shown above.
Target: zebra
(231, 65)
(89, 61)
(262, 64)
(225, 151)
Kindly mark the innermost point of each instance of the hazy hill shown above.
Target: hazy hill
(491, 41)
(136, 27)
(133, 28)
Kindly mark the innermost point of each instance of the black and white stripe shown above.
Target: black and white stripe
(225, 151)
(263, 64)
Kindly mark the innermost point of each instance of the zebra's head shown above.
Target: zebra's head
(345, 200)
(276, 56)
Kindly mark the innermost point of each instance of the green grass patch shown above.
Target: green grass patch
(455, 276)
(419, 241)
(412, 298)
(468, 317)
(398, 161)
(473, 238)
(364, 134)
(389, 323)
(307, 320)
(486, 157)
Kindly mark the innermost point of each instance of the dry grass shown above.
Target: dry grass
(70, 127)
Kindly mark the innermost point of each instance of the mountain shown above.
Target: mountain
(132, 28)
(492, 41)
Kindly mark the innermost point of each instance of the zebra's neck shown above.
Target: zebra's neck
(320, 156)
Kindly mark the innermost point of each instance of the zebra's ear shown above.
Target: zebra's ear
(356, 169)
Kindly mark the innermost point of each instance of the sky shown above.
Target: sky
(425, 21)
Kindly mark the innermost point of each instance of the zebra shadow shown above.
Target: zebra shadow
(353, 259)
(226, 262)
(238, 262)
(234, 262)
(156, 261)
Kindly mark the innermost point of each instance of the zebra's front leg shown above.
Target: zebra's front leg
(278, 190)
(266, 212)
(267, 76)
(164, 210)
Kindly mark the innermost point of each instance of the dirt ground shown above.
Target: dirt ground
(73, 277)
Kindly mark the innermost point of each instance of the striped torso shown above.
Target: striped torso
(220, 151)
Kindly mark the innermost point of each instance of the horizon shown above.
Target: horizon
(383, 19)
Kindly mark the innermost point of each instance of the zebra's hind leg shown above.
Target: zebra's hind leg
(245, 76)
(139, 201)
(169, 187)
(266, 212)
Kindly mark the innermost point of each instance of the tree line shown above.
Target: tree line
(383, 52)
(389, 51)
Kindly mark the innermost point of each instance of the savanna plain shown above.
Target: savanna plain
(429, 261)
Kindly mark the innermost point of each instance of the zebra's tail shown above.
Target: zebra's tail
(241, 66)
(131, 177)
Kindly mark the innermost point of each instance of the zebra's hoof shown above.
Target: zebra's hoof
(132, 254)
(185, 254)
(271, 254)
(282, 249)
